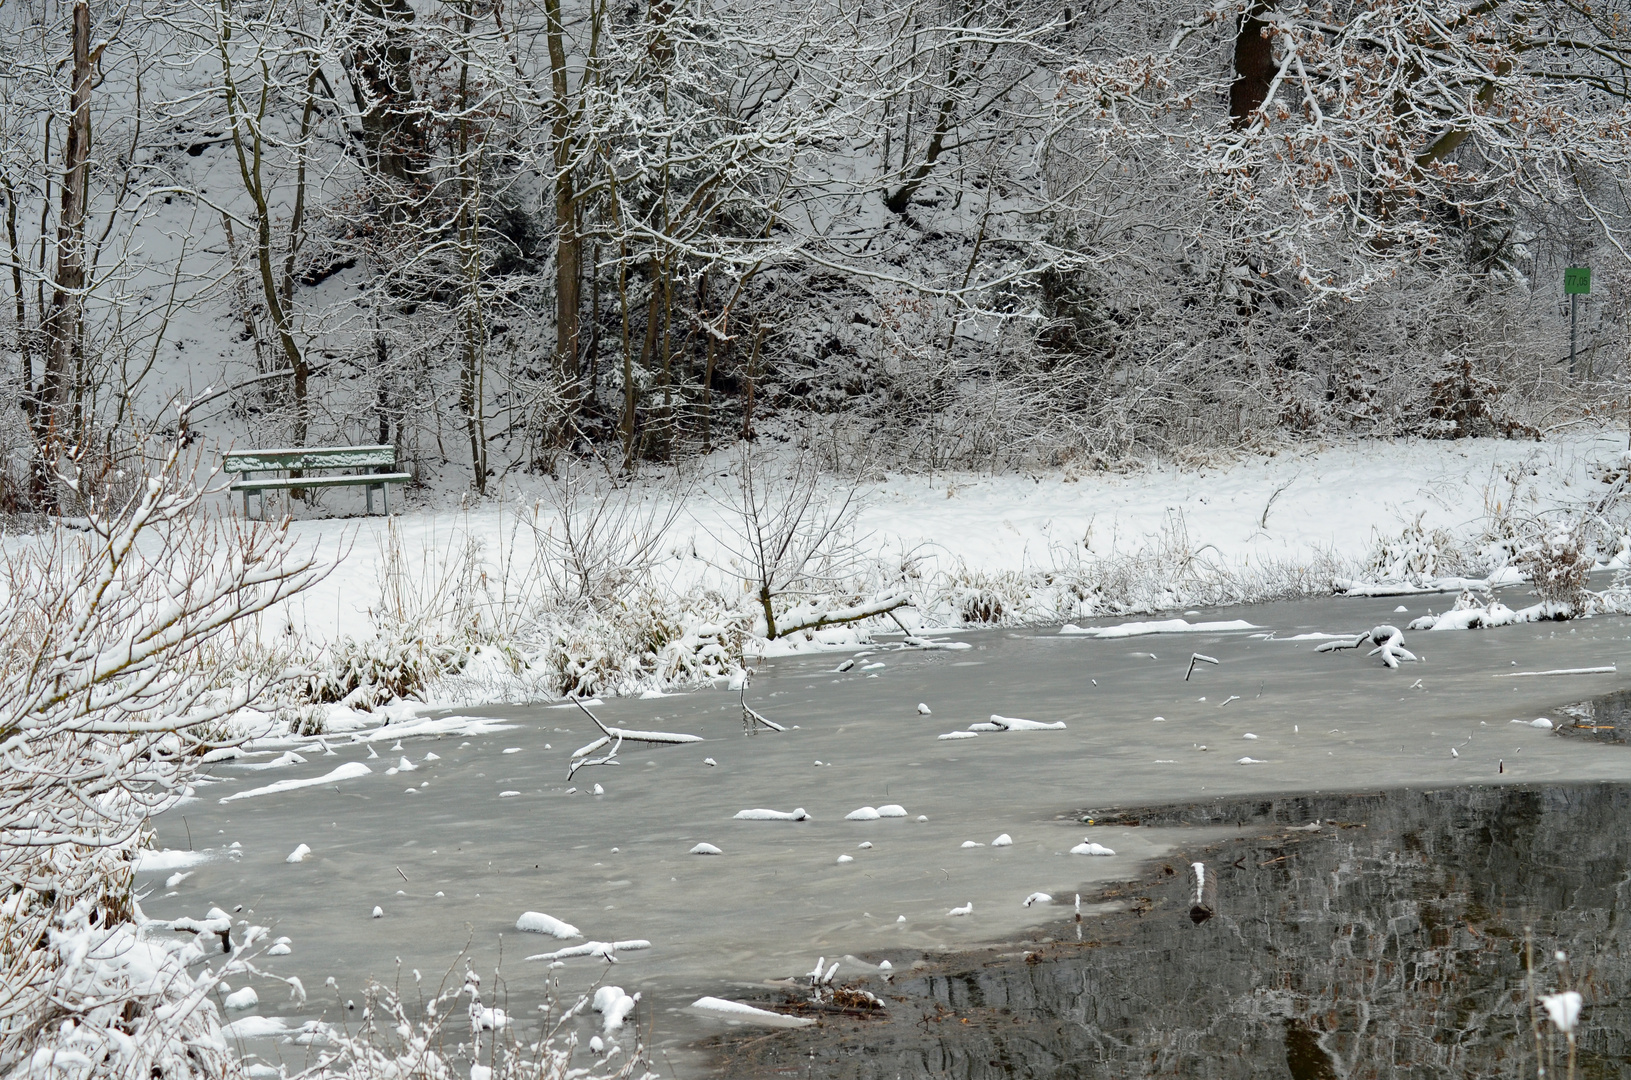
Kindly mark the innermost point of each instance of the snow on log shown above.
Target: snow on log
(815, 617)
(605, 950)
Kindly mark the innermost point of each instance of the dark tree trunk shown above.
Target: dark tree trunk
(1254, 66)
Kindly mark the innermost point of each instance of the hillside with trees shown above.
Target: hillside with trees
(494, 234)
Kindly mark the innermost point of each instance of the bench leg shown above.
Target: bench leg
(369, 490)
(246, 506)
(385, 494)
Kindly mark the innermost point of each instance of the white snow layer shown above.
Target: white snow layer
(349, 771)
(536, 922)
(735, 1010)
(1160, 626)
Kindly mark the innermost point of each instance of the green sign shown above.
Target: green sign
(1576, 280)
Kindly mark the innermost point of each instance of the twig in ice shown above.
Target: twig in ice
(1609, 670)
(1198, 658)
(615, 736)
(752, 718)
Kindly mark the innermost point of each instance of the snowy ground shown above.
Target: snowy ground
(1298, 506)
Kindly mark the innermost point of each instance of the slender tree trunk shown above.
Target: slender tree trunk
(297, 217)
(20, 297)
(62, 324)
(627, 424)
(753, 371)
(473, 370)
(568, 244)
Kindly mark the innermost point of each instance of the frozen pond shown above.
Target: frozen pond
(490, 830)
(1389, 942)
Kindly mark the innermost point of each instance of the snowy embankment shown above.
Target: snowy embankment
(467, 604)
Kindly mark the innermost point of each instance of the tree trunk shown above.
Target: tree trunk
(472, 379)
(62, 325)
(1254, 66)
(568, 245)
(249, 155)
(381, 75)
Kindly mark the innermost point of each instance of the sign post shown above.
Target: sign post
(1576, 283)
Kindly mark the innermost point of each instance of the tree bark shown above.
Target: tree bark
(63, 333)
(1254, 66)
(381, 78)
(568, 245)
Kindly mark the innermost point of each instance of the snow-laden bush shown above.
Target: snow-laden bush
(394, 1042)
(648, 644)
(1418, 555)
(119, 663)
(1557, 566)
(398, 663)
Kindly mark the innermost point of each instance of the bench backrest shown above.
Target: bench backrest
(308, 457)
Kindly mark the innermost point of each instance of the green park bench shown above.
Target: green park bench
(246, 463)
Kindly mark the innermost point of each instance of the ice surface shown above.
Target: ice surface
(715, 923)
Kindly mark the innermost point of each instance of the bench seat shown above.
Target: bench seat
(271, 483)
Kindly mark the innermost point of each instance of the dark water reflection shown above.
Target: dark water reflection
(1390, 944)
(1605, 719)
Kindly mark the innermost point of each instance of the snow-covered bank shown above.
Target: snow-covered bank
(471, 601)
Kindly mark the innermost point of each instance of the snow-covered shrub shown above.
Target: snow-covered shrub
(398, 663)
(596, 542)
(647, 644)
(1417, 555)
(789, 540)
(1464, 403)
(1557, 566)
(988, 598)
(119, 663)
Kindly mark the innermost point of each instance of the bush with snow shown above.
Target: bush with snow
(118, 669)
